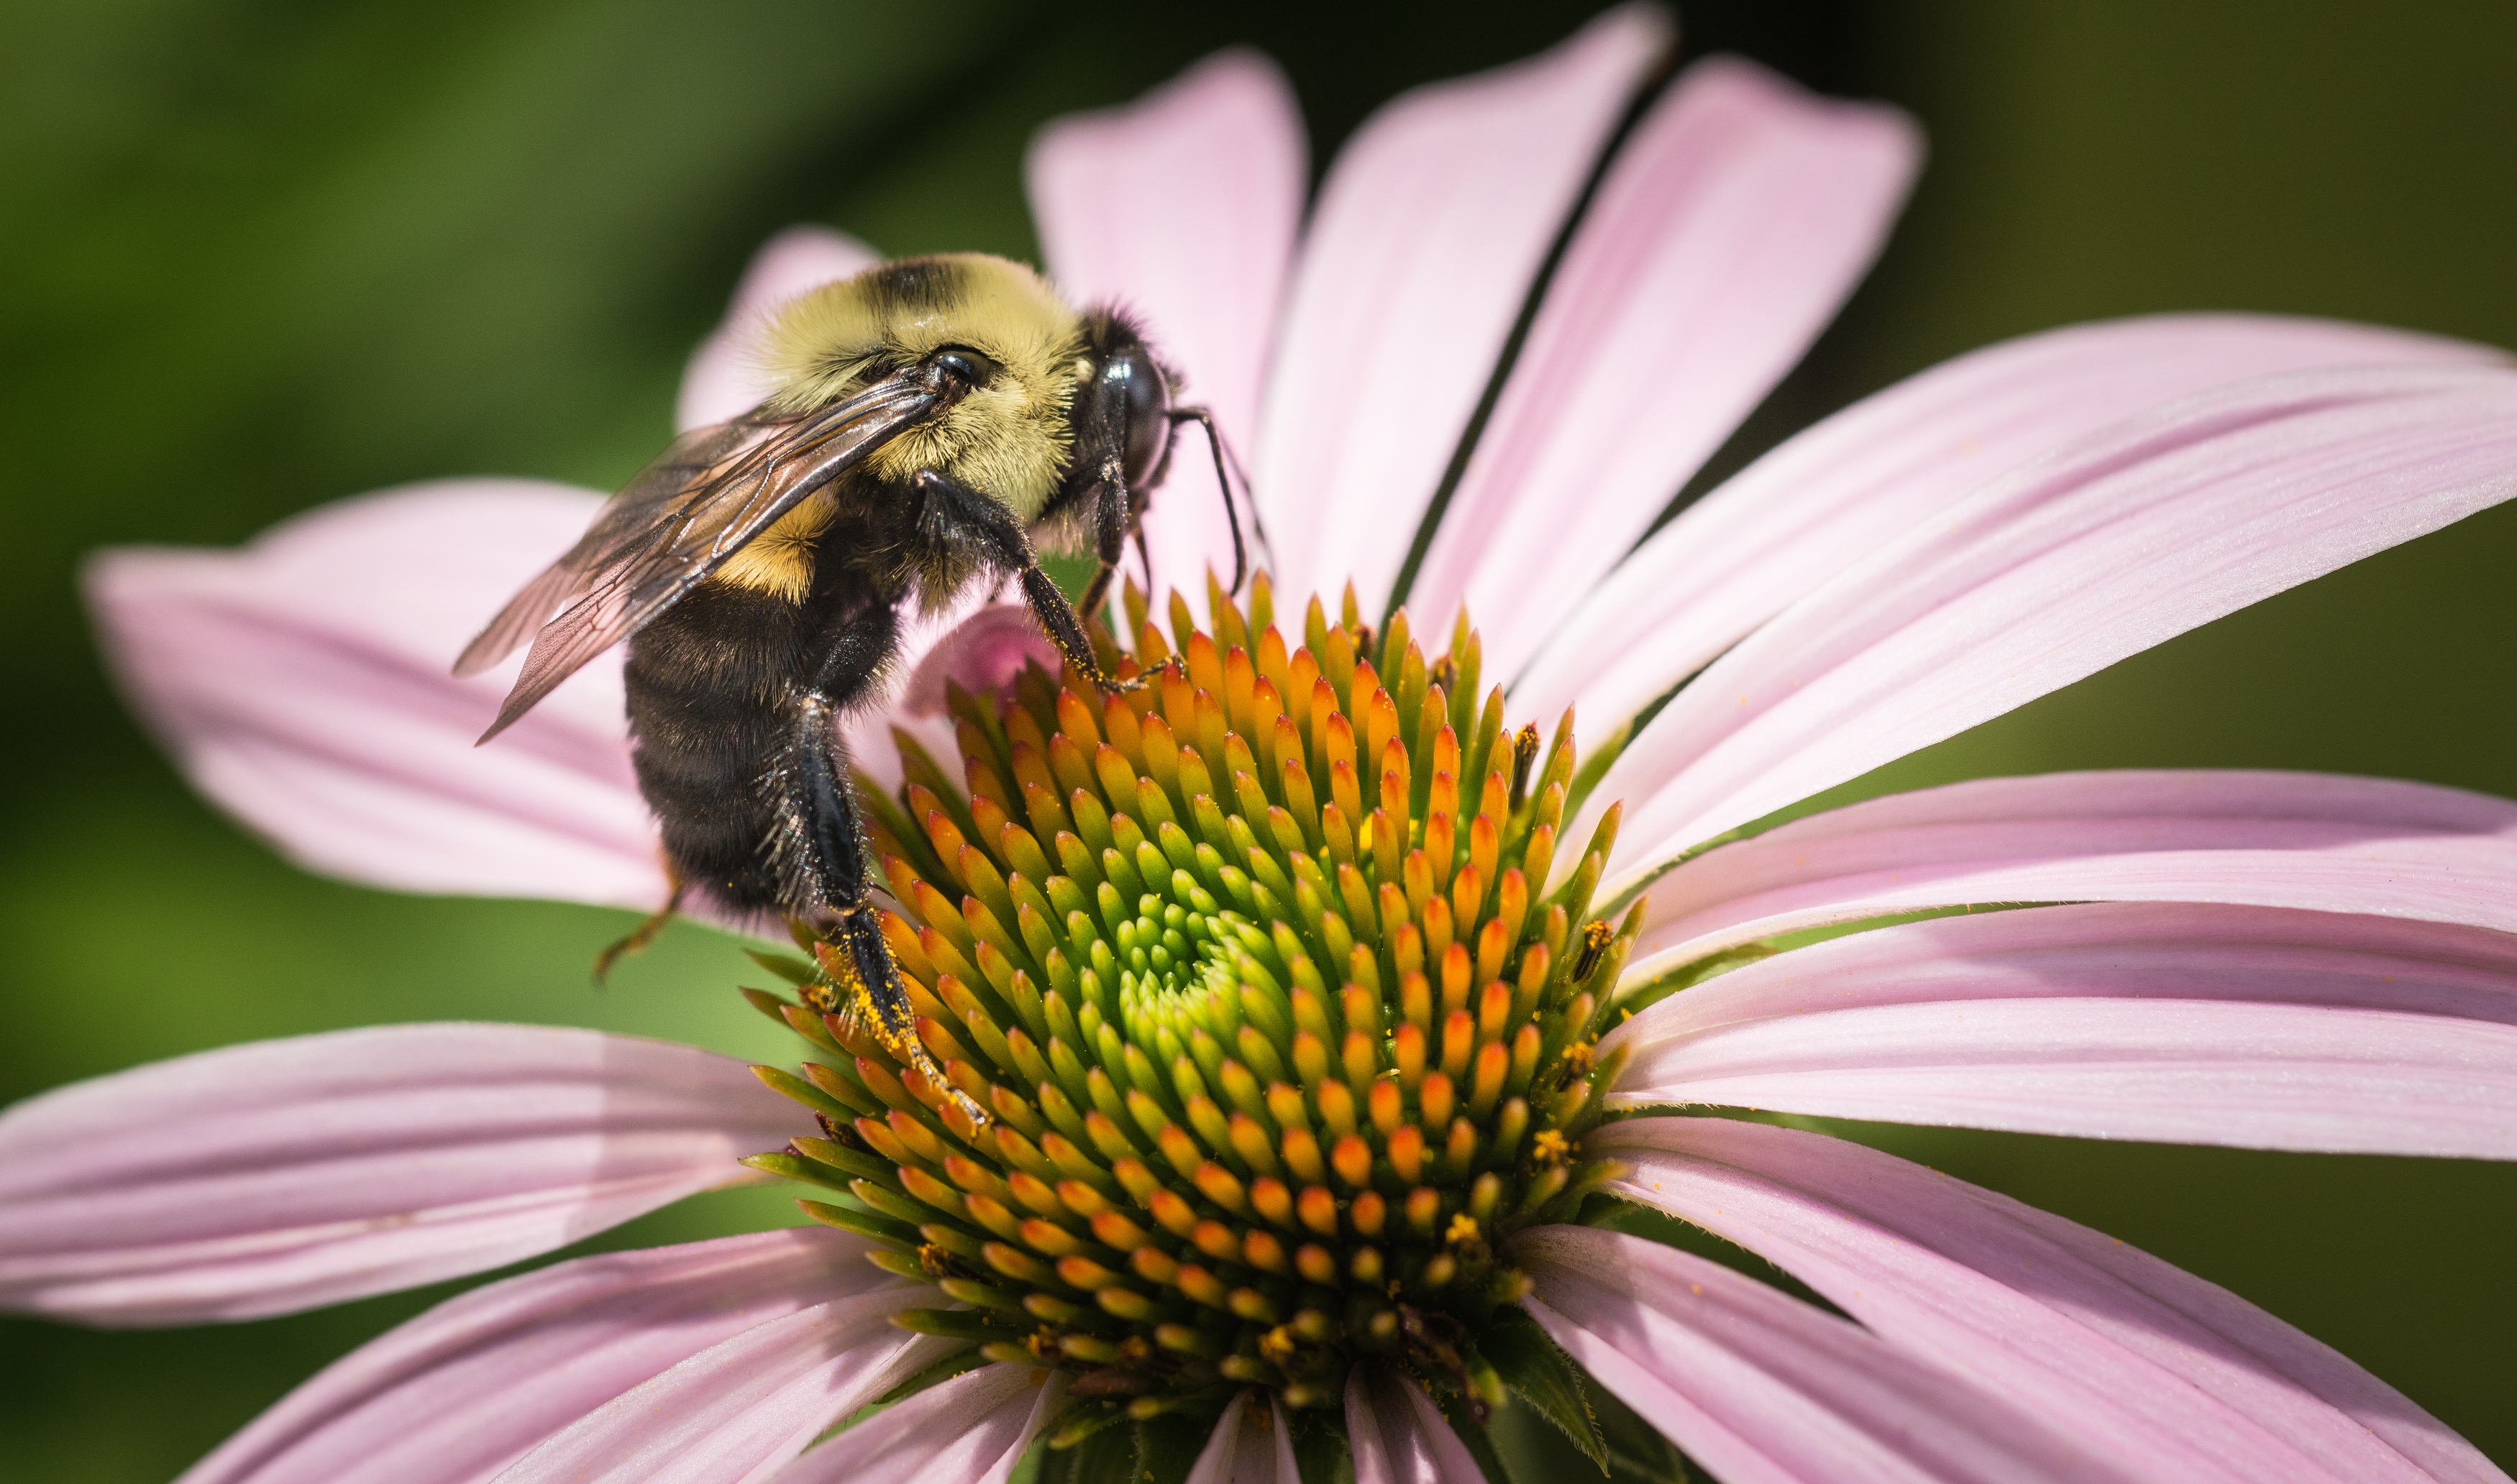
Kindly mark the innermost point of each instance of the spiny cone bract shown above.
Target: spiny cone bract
(1245, 966)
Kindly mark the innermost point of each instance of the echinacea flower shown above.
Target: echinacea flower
(1320, 999)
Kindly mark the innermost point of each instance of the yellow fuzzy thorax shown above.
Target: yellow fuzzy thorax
(1011, 438)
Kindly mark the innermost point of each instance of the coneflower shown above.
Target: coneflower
(1331, 1005)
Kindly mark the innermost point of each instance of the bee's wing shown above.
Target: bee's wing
(625, 519)
(683, 516)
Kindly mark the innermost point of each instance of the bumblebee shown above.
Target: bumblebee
(931, 423)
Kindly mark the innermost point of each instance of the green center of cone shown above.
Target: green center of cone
(1253, 973)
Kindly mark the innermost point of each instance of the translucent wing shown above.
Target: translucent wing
(679, 519)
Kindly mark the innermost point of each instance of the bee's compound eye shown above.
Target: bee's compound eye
(1142, 399)
(959, 362)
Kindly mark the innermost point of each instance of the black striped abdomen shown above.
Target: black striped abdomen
(731, 691)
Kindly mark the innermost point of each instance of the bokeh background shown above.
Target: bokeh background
(257, 256)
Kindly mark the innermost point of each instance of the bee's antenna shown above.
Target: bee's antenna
(1215, 444)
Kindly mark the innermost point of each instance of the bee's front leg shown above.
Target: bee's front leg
(953, 511)
(1113, 514)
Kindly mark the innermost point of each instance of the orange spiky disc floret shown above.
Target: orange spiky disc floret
(1251, 972)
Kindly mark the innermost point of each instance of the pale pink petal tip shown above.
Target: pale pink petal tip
(472, 1385)
(281, 1175)
(302, 683)
(720, 381)
(1427, 236)
(2194, 1024)
(2128, 1355)
(1181, 208)
(1755, 1385)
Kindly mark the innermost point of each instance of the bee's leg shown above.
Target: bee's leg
(827, 861)
(1224, 480)
(645, 932)
(954, 510)
(1111, 516)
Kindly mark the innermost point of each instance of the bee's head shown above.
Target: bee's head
(989, 334)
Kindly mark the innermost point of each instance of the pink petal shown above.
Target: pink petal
(2180, 1378)
(743, 1408)
(470, 1386)
(721, 380)
(1429, 233)
(1871, 473)
(1397, 1434)
(982, 654)
(1759, 1387)
(972, 1429)
(1247, 1447)
(281, 1176)
(301, 683)
(1734, 222)
(2275, 839)
(1183, 208)
(2243, 1026)
(978, 643)
(2125, 539)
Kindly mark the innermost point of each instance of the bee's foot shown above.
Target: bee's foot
(639, 937)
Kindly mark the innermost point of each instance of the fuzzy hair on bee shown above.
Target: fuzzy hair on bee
(930, 422)
(1011, 437)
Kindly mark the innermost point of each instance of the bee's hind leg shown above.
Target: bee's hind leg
(823, 857)
(955, 510)
(872, 989)
(644, 934)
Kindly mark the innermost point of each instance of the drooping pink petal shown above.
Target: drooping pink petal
(972, 1429)
(721, 381)
(279, 1175)
(1836, 492)
(2181, 1377)
(1734, 221)
(2247, 1025)
(739, 1410)
(301, 682)
(2120, 542)
(975, 642)
(1183, 208)
(1427, 236)
(463, 1390)
(1247, 1447)
(1398, 1435)
(2273, 839)
(1761, 1388)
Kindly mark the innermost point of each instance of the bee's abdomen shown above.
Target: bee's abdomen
(723, 688)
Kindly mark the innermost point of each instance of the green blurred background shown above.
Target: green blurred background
(259, 256)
